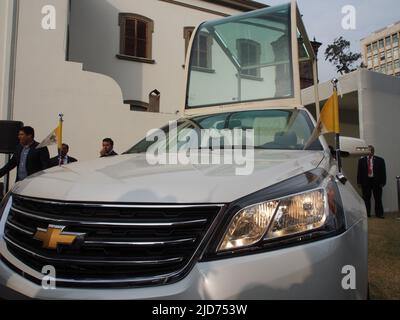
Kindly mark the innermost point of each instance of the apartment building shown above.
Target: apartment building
(381, 50)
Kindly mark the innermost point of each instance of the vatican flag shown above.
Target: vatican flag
(328, 120)
(55, 137)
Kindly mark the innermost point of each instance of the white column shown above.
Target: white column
(7, 8)
(6, 27)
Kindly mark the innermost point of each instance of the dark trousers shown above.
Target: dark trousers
(373, 188)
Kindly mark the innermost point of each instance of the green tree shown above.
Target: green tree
(339, 54)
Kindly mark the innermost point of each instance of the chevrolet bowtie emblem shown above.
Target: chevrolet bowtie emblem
(54, 236)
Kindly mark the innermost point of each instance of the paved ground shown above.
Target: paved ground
(384, 257)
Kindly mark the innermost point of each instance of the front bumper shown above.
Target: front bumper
(309, 271)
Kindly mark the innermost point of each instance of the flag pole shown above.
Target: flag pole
(60, 126)
(337, 135)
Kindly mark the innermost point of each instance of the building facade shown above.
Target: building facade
(381, 50)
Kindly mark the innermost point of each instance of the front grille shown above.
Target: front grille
(119, 245)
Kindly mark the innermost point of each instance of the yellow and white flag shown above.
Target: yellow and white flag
(55, 137)
(328, 120)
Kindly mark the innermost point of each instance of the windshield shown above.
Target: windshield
(242, 58)
(273, 130)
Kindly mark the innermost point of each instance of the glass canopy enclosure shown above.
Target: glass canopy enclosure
(247, 58)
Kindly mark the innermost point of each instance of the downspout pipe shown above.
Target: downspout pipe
(13, 59)
(11, 76)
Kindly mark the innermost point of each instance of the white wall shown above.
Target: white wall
(46, 85)
(95, 35)
(6, 15)
(379, 98)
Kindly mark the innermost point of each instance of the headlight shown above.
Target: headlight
(274, 219)
(287, 215)
(249, 226)
(299, 213)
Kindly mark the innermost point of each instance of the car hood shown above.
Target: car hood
(130, 179)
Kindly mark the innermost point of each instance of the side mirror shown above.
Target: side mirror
(353, 146)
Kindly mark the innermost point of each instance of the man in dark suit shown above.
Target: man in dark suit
(27, 158)
(63, 158)
(107, 148)
(371, 177)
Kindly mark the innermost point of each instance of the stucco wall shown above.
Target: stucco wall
(380, 115)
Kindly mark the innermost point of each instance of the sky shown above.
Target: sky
(323, 20)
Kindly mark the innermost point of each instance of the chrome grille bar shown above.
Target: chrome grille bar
(25, 231)
(116, 243)
(139, 243)
(105, 205)
(90, 261)
(108, 223)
